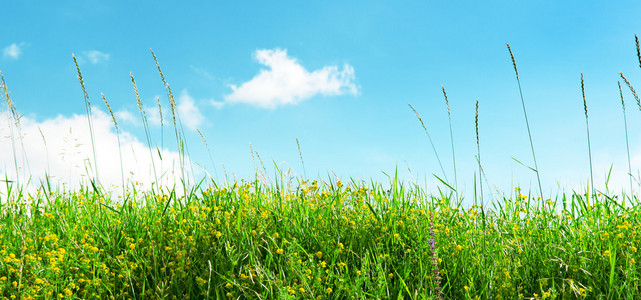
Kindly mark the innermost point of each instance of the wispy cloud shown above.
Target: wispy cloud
(126, 116)
(189, 113)
(216, 104)
(68, 152)
(13, 51)
(95, 56)
(288, 82)
(202, 72)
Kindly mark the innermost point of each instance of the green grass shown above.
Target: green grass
(315, 240)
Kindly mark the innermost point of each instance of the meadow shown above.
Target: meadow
(300, 238)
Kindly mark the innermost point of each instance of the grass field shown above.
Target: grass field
(298, 238)
(318, 240)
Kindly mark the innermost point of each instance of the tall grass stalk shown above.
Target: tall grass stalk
(15, 121)
(478, 152)
(587, 127)
(251, 151)
(211, 159)
(627, 144)
(430, 139)
(143, 116)
(180, 142)
(527, 124)
(434, 257)
(162, 135)
(161, 123)
(300, 154)
(634, 93)
(449, 118)
(478, 158)
(122, 169)
(265, 174)
(89, 118)
(44, 141)
(12, 118)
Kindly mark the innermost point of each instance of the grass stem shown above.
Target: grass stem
(449, 118)
(587, 127)
(627, 144)
(527, 123)
(430, 139)
(89, 117)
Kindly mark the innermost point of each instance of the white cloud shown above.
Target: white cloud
(125, 116)
(95, 56)
(12, 51)
(287, 82)
(188, 112)
(216, 104)
(68, 153)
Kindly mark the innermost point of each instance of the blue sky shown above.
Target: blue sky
(337, 75)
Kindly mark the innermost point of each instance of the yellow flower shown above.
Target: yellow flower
(632, 261)
(328, 290)
(459, 247)
(606, 253)
(228, 285)
(319, 254)
(390, 275)
(634, 249)
(280, 251)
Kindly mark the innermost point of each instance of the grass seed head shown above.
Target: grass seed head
(585, 103)
(113, 117)
(513, 61)
(634, 93)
